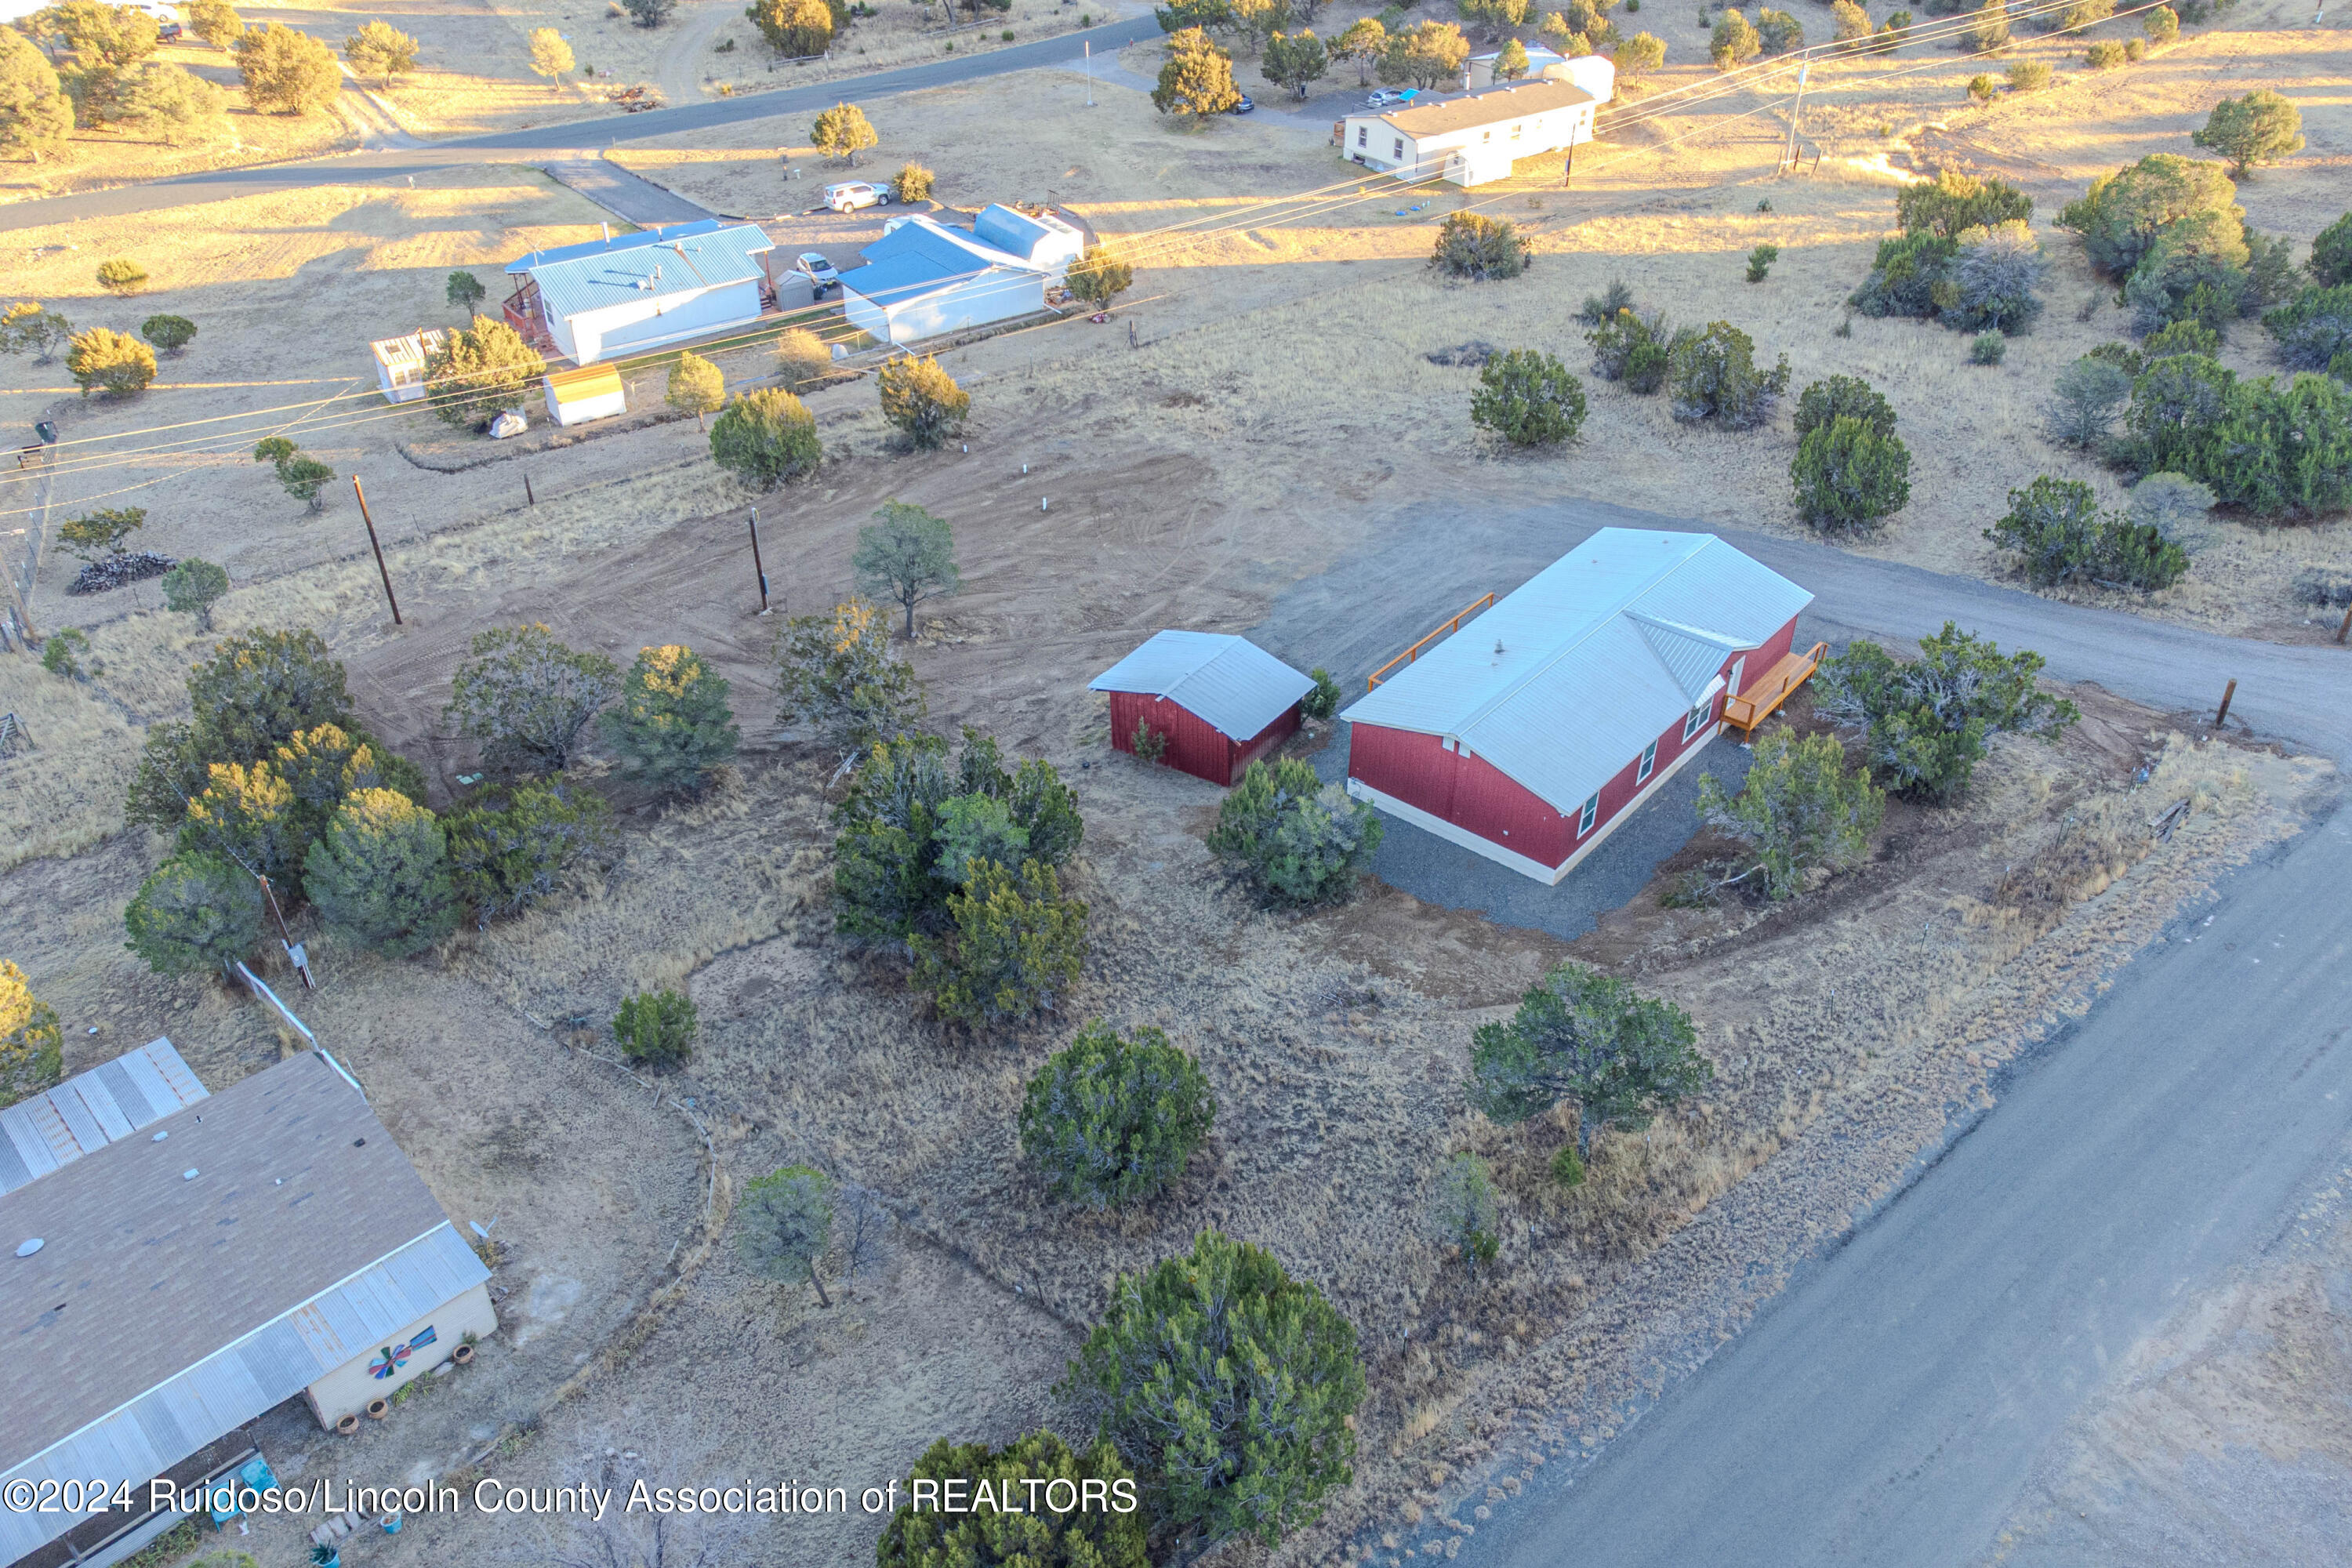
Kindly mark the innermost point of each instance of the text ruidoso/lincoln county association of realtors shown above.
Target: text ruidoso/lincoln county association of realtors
(950, 1495)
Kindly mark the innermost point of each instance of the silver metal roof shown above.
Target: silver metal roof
(91, 1110)
(679, 264)
(1563, 681)
(164, 1309)
(1230, 683)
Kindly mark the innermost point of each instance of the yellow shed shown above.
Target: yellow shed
(592, 392)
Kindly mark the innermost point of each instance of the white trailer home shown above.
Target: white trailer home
(924, 279)
(1474, 137)
(639, 292)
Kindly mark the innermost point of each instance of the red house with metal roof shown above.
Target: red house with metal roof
(1217, 702)
(1533, 730)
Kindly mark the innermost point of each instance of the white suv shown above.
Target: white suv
(851, 194)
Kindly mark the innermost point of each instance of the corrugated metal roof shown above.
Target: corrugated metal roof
(917, 259)
(588, 380)
(539, 259)
(1489, 106)
(1017, 232)
(1564, 680)
(678, 264)
(91, 1110)
(162, 1311)
(1229, 682)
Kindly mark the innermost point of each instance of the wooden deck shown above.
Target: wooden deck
(1445, 628)
(1767, 691)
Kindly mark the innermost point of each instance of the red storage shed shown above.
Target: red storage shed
(1220, 702)
(1532, 732)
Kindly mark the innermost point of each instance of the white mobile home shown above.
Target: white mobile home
(1477, 137)
(638, 291)
(924, 279)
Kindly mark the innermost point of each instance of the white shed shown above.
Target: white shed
(592, 392)
(924, 279)
(641, 291)
(400, 362)
(1042, 239)
(1477, 137)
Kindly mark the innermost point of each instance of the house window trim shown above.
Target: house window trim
(1696, 720)
(1649, 764)
(1585, 817)
(1737, 665)
(1399, 148)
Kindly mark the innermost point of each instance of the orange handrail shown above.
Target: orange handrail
(1793, 671)
(1408, 655)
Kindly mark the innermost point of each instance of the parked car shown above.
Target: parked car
(851, 194)
(1383, 99)
(1243, 105)
(822, 278)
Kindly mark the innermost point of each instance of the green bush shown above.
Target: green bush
(1778, 32)
(1324, 699)
(1479, 249)
(195, 913)
(170, 333)
(1988, 348)
(1231, 1385)
(1848, 478)
(2182, 338)
(657, 1027)
(912, 828)
(911, 184)
(2161, 24)
(2105, 55)
(1630, 348)
(122, 276)
(1983, 86)
(32, 1045)
(526, 698)
(1735, 42)
(379, 876)
(192, 587)
(256, 693)
(1987, 29)
(1840, 397)
(2275, 450)
(1760, 261)
(1606, 306)
(1801, 808)
(2260, 127)
(2028, 76)
(1303, 841)
(673, 724)
(1108, 1533)
(63, 650)
(838, 682)
(1712, 375)
(922, 400)
(1109, 1121)
(1589, 1037)
(2085, 401)
(115, 363)
(2315, 329)
(479, 372)
(1101, 275)
(1527, 398)
(248, 813)
(2331, 254)
(1924, 723)
(1464, 1212)
(1990, 279)
(511, 849)
(1013, 947)
(765, 439)
(906, 555)
(2121, 215)
(785, 1224)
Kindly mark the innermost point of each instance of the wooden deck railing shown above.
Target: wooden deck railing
(1773, 688)
(1408, 655)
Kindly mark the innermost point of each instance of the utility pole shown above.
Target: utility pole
(1568, 175)
(1090, 73)
(378, 548)
(1795, 114)
(756, 567)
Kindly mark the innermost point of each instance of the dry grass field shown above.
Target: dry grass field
(1280, 410)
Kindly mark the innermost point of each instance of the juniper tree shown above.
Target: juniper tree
(1799, 808)
(1109, 1120)
(526, 697)
(1592, 1038)
(785, 1224)
(195, 913)
(673, 723)
(380, 874)
(906, 555)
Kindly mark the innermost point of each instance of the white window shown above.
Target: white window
(1737, 665)
(1649, 761)
(1400, 147)
(1584, 818)
(1697, 719)
(1363, 135)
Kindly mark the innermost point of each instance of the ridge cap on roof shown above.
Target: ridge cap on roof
(1704, 633)
(1544, 663)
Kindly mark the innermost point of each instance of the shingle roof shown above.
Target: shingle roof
(161, 1308)
(537, 258)
(1599, 652)
(1229, 682)
(1489, 106)
(678, 264)
(91, 1110)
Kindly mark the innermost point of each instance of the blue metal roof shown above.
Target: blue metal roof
(912, 262)
(1228, 682)
(537, 258)
(1008, 230)
(679, 264)
(1565, 680)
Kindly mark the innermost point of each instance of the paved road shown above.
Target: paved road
(1887, 1407)
(617, 191)
(580, 138)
